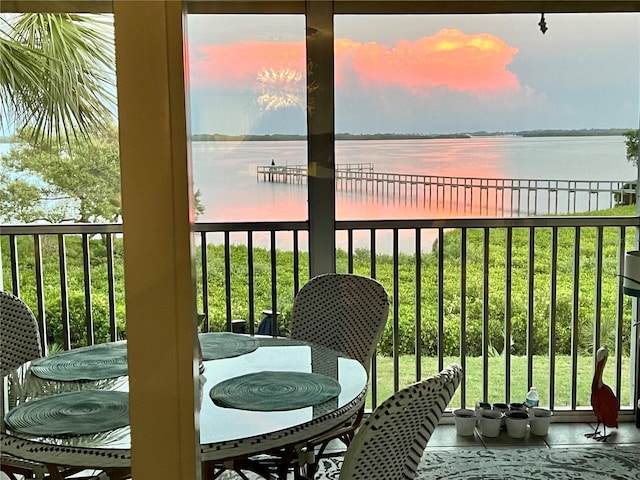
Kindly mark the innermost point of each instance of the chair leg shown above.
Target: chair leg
(54, 473)
(306, 472)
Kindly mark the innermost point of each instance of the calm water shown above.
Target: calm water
(225, 173)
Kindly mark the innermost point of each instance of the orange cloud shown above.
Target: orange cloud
(450, 58)
(475, 63)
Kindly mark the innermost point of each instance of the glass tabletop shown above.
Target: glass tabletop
(220, 424)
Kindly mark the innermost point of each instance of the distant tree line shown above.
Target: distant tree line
(592, 132)
(216, 137)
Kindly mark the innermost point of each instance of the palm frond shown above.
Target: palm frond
(58, 74)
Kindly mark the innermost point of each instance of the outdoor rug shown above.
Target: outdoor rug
(585, 463)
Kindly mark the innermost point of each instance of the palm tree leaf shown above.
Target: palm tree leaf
(59, 74)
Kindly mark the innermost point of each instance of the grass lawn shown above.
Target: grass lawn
(473, 379)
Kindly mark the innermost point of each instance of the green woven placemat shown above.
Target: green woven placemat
(71, 413)
(87, 363)
(270, 391)
(218, 345)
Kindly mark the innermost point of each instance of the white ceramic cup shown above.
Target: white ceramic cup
(465, 420)
(490, 422)
(539, 421)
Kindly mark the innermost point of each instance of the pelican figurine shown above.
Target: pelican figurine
(603, 400)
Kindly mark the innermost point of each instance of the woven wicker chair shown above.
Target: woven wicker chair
(19, 343)
(20, 337)
(341, 311)
(390, 443)
(347, 313)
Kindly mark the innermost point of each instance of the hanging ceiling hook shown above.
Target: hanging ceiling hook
(543, 24)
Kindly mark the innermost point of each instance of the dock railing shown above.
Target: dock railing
(470, 195)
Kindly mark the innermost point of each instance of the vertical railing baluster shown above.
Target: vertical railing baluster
(530, 304)
(440, 299)
(396, 314)
(374, 362)
(15, 267)
(553, 305)
(113, 325)
(575, 317)
(64, 293)
(204, 280)
(227, 280)
(296, 262)
(463, 314)
(39, 284)
(251, 274)
(274, 289)
(485, 315)
(350, 250)
(418, 306)
(88, 309)
(622, 248)
(508, 266)
(597, 294)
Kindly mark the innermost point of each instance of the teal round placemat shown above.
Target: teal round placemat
(219, 345)
(96, 362)
(274, 391)
(71, 413)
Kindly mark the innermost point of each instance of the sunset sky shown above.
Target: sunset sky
(419, 74)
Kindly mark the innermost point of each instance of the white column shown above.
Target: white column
(158, 245)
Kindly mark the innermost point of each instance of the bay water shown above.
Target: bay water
(231, 191)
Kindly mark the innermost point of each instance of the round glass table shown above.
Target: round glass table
(260, 394)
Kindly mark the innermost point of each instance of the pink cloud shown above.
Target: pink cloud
(473, 63)
(244, 61)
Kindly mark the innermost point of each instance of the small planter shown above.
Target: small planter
(465, 421)
(540, 420)
(490, 423)
(516, 421)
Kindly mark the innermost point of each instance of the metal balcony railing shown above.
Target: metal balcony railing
(516, 301)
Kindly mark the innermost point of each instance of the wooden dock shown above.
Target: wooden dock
(471, 195)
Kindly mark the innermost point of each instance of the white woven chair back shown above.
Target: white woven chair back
(19, 334)
(341, 311)
(391, 441)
